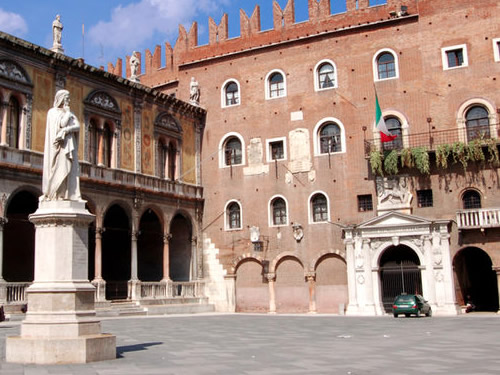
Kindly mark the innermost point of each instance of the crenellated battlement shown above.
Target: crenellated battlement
(186, 49)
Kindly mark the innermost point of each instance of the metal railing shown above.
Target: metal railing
(16, 292)
(433, 138)
(478, 218)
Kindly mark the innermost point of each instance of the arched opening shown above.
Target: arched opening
(19, 239)
(399, 273)
(477, 282)
(150, 248)
(252, 291)
(292, 291)
(331, 285)
(116, 256)
(14, 122)
(180, 249)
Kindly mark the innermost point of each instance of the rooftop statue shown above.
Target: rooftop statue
(134, 67)
(57, 28)
(60, 158)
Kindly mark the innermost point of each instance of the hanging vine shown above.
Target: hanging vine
(406, 158)
(442, 154)
(391, 160)
(421, 159)
(376, 162)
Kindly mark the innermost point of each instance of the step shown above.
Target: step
(188, 308)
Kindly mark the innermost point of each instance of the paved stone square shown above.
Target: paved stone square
(289, 344)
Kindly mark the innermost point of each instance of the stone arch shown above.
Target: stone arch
(286, 254)
(28, 188)
(251, 288)
(377, 255)
(19, 236)
(150, 245)
(292, 291)
(331, 285)
(315, 261)
(181, 255)
(116, 249)
(476, 280)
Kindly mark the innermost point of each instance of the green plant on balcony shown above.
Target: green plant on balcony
(491, 144)
(376, 162)
(421, 159)
(460, 153)
(442, 154)
(391, 161)
(406, 158)
(475, 149)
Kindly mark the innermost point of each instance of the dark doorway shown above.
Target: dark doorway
(180, 249)
(476, 279)
(150, 248)
(399, 273)
(19, 239)
(116, 257)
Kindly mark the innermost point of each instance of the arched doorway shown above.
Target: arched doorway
(150, 248)
(180, 249)
(399, 273)
(19, 238)
(331, 284)
(292, 291)
(476, 279)
(252, 290)
(116, 257)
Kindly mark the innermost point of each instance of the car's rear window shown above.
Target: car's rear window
(405, 299)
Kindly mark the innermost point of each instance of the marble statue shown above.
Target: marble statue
(57, 34)
(60, 158)
(134, 67)
(194, 92)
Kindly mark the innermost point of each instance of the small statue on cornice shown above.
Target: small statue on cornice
(57, 28)
(134, 67)
(194, 92)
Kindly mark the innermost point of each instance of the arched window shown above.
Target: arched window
(471, 200)
(394, 126)
(276, 84)
(232, 151)
(386, 66)
(319, 208)
(172, 156)
(14, 122)
(107, 138)
(278, 211)
(232, 94)
(477, 123)
(330, 139)
(233, 216)
(162, 158)
(326, 76)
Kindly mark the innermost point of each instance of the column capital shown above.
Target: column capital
(167, 237)
(194, 239)
(3, 221)
(496, 269)
(271, 276)
(99, 231)
(135, 235)
(310, 276)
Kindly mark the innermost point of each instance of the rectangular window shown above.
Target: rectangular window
(276, 149)
(365, 203)
(454, 57)
(424, 198)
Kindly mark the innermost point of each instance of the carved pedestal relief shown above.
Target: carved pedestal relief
(393, 195)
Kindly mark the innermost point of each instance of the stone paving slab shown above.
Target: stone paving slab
(288, 344)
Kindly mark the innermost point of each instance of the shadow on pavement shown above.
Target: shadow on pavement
(134, 348)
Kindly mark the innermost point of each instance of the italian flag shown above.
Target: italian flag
(385, 134)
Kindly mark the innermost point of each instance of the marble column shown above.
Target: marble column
(166, 254)
(134, 284)
(3, 283)
(194, 258)
(311, 280)
(271, 279)
(98, 281)
(497, 270)
(4, 113)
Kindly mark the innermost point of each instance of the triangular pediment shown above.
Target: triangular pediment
(394, 218)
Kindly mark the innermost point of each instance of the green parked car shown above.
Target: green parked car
(409, 304)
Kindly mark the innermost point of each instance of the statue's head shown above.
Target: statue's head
(58, 17)
(62, 96)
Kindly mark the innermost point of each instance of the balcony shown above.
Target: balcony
(432, 139)
(32, 162)
(480, 218)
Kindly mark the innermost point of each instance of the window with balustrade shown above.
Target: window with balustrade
(477, 123)
(168, 138)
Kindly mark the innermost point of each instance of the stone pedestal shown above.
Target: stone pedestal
(60, 325)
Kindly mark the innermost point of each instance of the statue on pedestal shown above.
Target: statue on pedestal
(134, 67)
(194, 92)
(60, 160)
(57, 28)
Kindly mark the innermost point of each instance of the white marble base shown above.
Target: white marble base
(61, 324)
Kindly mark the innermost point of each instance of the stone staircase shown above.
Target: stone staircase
(154, 307)
(120, 308)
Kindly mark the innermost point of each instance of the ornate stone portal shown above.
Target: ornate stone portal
(366, 243)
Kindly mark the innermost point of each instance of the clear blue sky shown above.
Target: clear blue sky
(115, 28)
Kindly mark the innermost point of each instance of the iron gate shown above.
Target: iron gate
(397, 278)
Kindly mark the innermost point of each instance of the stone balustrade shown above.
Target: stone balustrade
(478, 218)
